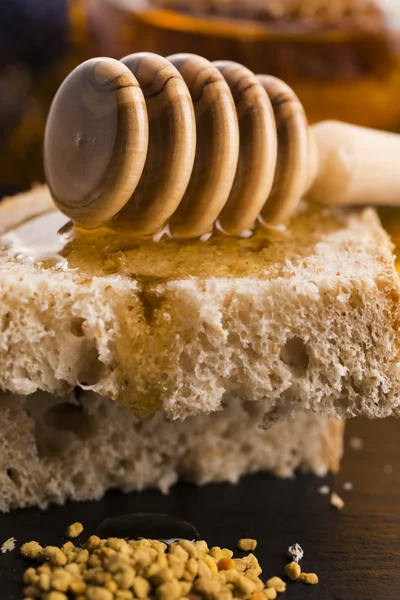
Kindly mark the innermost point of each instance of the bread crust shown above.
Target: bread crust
(14, 210)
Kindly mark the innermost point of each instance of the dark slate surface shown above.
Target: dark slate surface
(356, 552)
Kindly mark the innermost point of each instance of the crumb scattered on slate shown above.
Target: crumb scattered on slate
(337, 501)
(296, 552)
(8, 545)
(356, 443)
(323, 490)
(348, 486)
(388, 469)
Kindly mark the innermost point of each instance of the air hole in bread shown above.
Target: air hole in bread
(93, 370)
(247, 448)
(5, 322)
(186, 392)
(126, 465)
(69, 417)
(15, 477)
(357, 387)
(151, 304)
(50, 444)
(186, 362)
(253, 409)
(21, 373)
(79, 479)
(356, 302)
(295, 356)
(76, 327)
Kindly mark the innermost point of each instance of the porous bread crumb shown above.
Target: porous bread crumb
(127, 454)
(8, 545)
(337, 501)
(282, 292)
(247, 544)
(309, 578)
(356, 443)
(74, 530)
(348, 486)
(293, 570)
(118, 569)
(323, 490)
(296, 552)
(277, 583)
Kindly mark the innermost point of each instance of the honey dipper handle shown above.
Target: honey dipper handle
(355, 165)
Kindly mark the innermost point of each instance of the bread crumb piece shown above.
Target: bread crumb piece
(8, 545)
(74, 530)
(296, 552)
(388, 469)
(309, 578)
(247, 544)
(324, 490)
(271, 593)
(356, 443)
(348, 486)
(293, 570)
(277, 583)
(337, 501)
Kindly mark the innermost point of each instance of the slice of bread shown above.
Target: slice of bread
(77, 447)
(307, 318)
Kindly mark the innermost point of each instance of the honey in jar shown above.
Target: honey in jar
(342, 58)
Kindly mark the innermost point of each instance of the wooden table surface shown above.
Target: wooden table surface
(356, 552)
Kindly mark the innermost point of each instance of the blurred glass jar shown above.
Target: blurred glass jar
(342, 57)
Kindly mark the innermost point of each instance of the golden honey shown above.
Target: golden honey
(49, 240)
(390, 218)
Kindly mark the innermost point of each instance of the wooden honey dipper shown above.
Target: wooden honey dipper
(138, 143)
